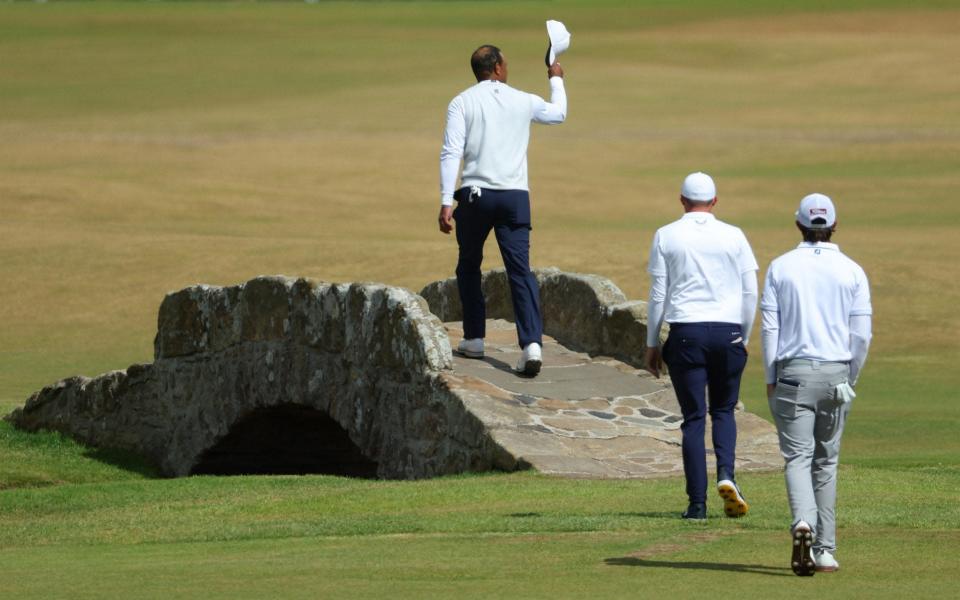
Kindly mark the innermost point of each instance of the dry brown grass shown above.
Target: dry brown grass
(142, 154)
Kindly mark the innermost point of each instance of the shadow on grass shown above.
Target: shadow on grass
(44, 448)
(662, 514)
(632, 561)
(121, 459)
(675, 515)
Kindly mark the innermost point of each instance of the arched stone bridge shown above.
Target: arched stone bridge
(294, 375)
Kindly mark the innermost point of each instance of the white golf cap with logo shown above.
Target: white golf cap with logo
(698, 187)
(816, 212)
(559, 40)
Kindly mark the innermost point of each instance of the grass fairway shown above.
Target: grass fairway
(504, 536)
(149, 146)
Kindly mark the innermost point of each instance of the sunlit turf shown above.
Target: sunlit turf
(475, 535)
(150, 146)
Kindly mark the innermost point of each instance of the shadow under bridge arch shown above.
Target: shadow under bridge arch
(289, 439)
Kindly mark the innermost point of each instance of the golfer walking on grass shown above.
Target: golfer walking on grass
(704, 284)
(815, 315)
(488, 127)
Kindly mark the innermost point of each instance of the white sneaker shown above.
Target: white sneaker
(472, 348)
(826, 563)
(531, 360)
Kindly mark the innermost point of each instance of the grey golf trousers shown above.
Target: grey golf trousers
(810, 422)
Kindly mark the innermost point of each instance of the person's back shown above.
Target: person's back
(705, 258)
(497, 119)
(818, 289)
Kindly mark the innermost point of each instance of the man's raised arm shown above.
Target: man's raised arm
(555, 111)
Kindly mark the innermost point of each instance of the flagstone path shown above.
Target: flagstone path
(589, 417)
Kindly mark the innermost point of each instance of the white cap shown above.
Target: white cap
(816, 212)
(698, 187)
(559, 40)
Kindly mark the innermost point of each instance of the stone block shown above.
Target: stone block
(443, 299)
(625, 331)
(222, 319)
(181, 327)
(265, 308)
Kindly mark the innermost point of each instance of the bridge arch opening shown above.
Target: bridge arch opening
(289, 439)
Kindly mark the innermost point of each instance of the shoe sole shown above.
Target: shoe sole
(827, 569)
(733, 503)
(800, 561)
(470, 354)
(532, 368)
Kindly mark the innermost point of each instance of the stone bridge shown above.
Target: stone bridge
(282, 375)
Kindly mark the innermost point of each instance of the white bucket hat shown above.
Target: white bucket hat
(559, 40)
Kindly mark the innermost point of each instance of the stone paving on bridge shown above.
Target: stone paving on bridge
(583, 416)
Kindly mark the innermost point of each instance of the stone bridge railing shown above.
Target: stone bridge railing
(374, 358)
(370, 356)
(587, 313)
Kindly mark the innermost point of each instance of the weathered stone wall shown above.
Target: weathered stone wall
(588, 313)
(371, 356)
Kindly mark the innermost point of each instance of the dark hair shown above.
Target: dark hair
(816, 235)
(700, 203)
(484, 60)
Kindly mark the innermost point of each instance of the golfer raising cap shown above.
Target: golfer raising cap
(704, 284)
(815, 314)
(488, 126)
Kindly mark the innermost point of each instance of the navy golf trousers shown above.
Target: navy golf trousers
(507, 212)
(706, 357)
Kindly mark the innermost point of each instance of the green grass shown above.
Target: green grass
(209, 509)
(46, 459)
(475, 566)
(474, 536)
(150, 146)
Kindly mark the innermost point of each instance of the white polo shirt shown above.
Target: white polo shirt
(704, 261)
(488, 126)
(810, 295)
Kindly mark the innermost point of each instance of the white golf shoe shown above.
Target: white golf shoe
(531, 360)
(825, 561)
(734, 505)
(801, 559)
(472, 348)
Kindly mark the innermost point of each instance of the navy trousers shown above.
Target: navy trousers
(507, 212)
(706, 357)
